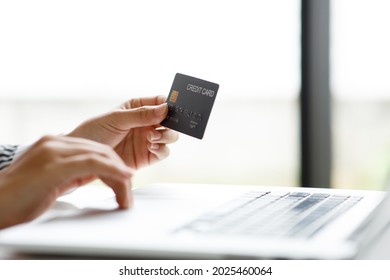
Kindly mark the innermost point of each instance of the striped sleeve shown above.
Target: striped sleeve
(7, 154)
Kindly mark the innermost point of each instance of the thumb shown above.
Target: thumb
(142, 116)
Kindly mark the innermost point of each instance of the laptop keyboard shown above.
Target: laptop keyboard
(274, 214)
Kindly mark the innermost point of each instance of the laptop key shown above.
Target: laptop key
(297, 214)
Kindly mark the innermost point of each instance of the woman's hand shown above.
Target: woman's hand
(52, 166)
(133, 131)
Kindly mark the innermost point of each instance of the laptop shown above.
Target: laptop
(183, 221)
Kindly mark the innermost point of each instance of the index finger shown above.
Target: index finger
(144, 101)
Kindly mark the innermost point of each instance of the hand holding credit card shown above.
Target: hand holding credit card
(189, 105)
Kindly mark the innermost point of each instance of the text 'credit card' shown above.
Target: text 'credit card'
(189, 105)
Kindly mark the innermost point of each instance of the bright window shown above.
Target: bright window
(61, 61)
(361, 91)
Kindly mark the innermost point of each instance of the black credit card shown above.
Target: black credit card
(189, 105)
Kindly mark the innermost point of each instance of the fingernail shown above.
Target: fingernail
(154, 146)
(154, 136)
(160, 110)
(126, 200)
(126, 172)
(130, 200)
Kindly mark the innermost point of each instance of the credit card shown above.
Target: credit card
(189, 105)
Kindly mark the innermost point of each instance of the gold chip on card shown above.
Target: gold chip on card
(174, 96)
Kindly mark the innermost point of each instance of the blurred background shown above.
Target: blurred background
(64, 61)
